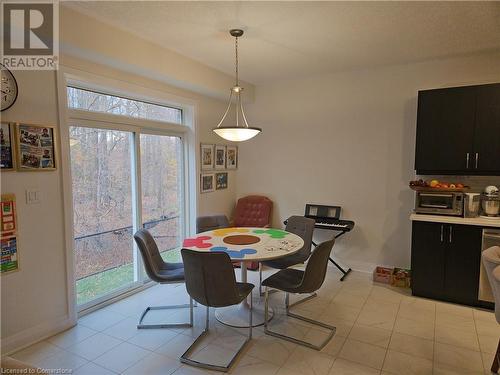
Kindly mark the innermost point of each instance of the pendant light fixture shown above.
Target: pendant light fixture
(240, 131)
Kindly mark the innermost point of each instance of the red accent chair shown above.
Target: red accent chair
(253, 211)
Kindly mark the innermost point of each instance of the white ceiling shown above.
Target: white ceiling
(290, 39)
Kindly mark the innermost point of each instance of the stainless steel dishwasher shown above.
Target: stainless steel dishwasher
(491, 237)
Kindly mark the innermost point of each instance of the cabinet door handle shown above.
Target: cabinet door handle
(477, 158)
(450, 233)
(442, 232)
(467, 161)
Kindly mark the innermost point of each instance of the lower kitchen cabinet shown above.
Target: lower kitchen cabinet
(427, 259)
(445, 260)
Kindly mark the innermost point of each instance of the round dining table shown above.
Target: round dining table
(245, 245)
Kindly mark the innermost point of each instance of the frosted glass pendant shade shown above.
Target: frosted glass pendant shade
(237, 134)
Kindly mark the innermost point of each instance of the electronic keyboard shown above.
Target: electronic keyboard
(333, 224)
(328, 217)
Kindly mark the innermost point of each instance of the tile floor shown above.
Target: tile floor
(380, 330)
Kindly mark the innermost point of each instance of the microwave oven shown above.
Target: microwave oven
(439, 203)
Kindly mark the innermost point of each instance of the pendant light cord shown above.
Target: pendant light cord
(236, 61)
(238, 101)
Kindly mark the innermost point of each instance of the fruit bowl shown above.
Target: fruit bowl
(433, 185)
(428, 188)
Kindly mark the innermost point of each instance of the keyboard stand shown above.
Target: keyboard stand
(345, 273)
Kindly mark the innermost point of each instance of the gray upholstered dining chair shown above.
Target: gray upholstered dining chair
(295, 281)
(491, 262)
(210, 281)
(211, 222)
(162, 272)
(304, 228)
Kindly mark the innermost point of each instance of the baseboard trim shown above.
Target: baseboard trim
(354, 265)
(35, 334)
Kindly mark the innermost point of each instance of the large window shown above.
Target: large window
(123, 178)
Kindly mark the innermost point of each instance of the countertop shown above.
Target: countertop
(478, 221)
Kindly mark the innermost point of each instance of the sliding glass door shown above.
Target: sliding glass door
(101, 170)
(161, 186)
(122, 181)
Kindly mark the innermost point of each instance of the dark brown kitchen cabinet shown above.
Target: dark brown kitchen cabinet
(427, 260)
(445, 261)
(462, 263)
(487, 129)
(458, 131)
(445, 129)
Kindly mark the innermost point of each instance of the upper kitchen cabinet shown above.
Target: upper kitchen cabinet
(445, 129)
(487, 129)
(458, 131)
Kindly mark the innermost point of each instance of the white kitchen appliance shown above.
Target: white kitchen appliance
(491, 237)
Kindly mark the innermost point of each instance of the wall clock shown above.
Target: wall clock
(8, 87)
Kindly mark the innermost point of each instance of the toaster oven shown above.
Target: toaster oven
(439, 203)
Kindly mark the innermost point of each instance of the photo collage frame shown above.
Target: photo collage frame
(28, 147)
(219, 159)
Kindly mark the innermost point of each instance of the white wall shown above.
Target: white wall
(348, 139)
(34, 302)
(34, 298)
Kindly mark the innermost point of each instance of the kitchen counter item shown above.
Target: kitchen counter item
(432, 189)
(491, 190)
(471, 204)
(490, 201)
(477, 221)
(439, 202)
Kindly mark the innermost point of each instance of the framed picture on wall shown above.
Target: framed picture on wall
(231, 157)
(207, 157)
(7, 146)
(220, 157)
(9, 237)
(207, 182)
(36, 147)
(221, 181)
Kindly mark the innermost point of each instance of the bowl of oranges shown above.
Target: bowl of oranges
(420, 185)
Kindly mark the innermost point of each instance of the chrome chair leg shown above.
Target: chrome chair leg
(141, 325)
(207, 319)
(250, 318)
(287, 300)
(191, 318)
(260, 279)
(267, 331)
(266, 308)
(260, 282)
(185, 357)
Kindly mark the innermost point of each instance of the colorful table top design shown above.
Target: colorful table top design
(252, 244)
